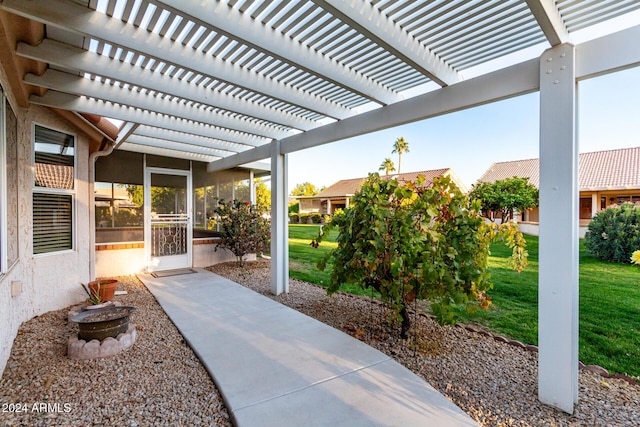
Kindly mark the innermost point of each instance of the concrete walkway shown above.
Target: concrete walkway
(277, 367)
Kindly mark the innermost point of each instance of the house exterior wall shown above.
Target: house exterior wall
(598, 201)
(121, 259)
(48, 282)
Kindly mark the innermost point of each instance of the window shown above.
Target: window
(53, 190)
(9, 187)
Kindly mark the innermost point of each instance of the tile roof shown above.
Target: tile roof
(348, 187)
(599, 170)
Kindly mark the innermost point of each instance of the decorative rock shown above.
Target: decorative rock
(598, 370)
(91, 350)
(626, 378)
(109, 347)
(81, 350)
(517, 344)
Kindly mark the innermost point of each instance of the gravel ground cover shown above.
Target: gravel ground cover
(157, 382)
(495, 383)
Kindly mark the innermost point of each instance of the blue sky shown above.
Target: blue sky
(470, 141)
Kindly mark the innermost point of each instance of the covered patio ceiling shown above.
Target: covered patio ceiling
(207, 80)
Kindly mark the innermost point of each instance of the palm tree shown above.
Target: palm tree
(400, 146)
(387, 166)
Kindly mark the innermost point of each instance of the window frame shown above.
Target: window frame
(55, 191)
(5, 266)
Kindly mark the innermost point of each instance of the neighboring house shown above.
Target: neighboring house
(606, 178)
(338, 195)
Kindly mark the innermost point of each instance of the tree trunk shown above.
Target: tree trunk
(406, 323)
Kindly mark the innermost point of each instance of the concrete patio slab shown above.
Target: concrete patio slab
(274, 366)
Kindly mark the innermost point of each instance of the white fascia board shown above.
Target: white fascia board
(165, 152)
(512, 81)
(376, 26)
(607, 54)
(185, 138)
(82, 20)
(248, 156)
(171, 145)
(73, 58)
(121, 112)
(75, 85)
(549, 20)
(240, 26)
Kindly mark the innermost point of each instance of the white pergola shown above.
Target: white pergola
(237, 81)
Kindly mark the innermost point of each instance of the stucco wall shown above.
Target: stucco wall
(48, 282)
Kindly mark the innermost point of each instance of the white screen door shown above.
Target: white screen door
(168, 234)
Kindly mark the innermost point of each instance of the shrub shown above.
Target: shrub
(316, 218)
(614, 233)
(409, 241)
(243, 229)
(294, 218)
(305, 218)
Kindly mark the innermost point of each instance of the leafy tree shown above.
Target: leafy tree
(387, 166)
(504, 196)
(263, 195)
(305, 189)
(401, 146)
(410, 241)
(243, 229)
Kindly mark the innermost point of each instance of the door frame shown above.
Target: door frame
(148, 171)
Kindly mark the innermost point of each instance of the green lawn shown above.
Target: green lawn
(609, 300)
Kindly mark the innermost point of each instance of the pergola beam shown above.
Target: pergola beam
(76, 59)
(549, 20)
(235, 24)
(75, 85)
(368, 20)
(600, 56)
(165, 152)
(603, 55)
(502, 84)
(184, 138)
(121, 112)
(172, 145)
(79, 19)
(235, 160)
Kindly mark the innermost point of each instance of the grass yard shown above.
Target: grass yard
(303, 259)
(609, 300)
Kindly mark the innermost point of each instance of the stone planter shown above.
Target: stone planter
(102, 323)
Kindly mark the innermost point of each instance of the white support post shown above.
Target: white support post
(328, 207)
(279, 223)
(252, 188)
(558, 244)
(595, 204)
